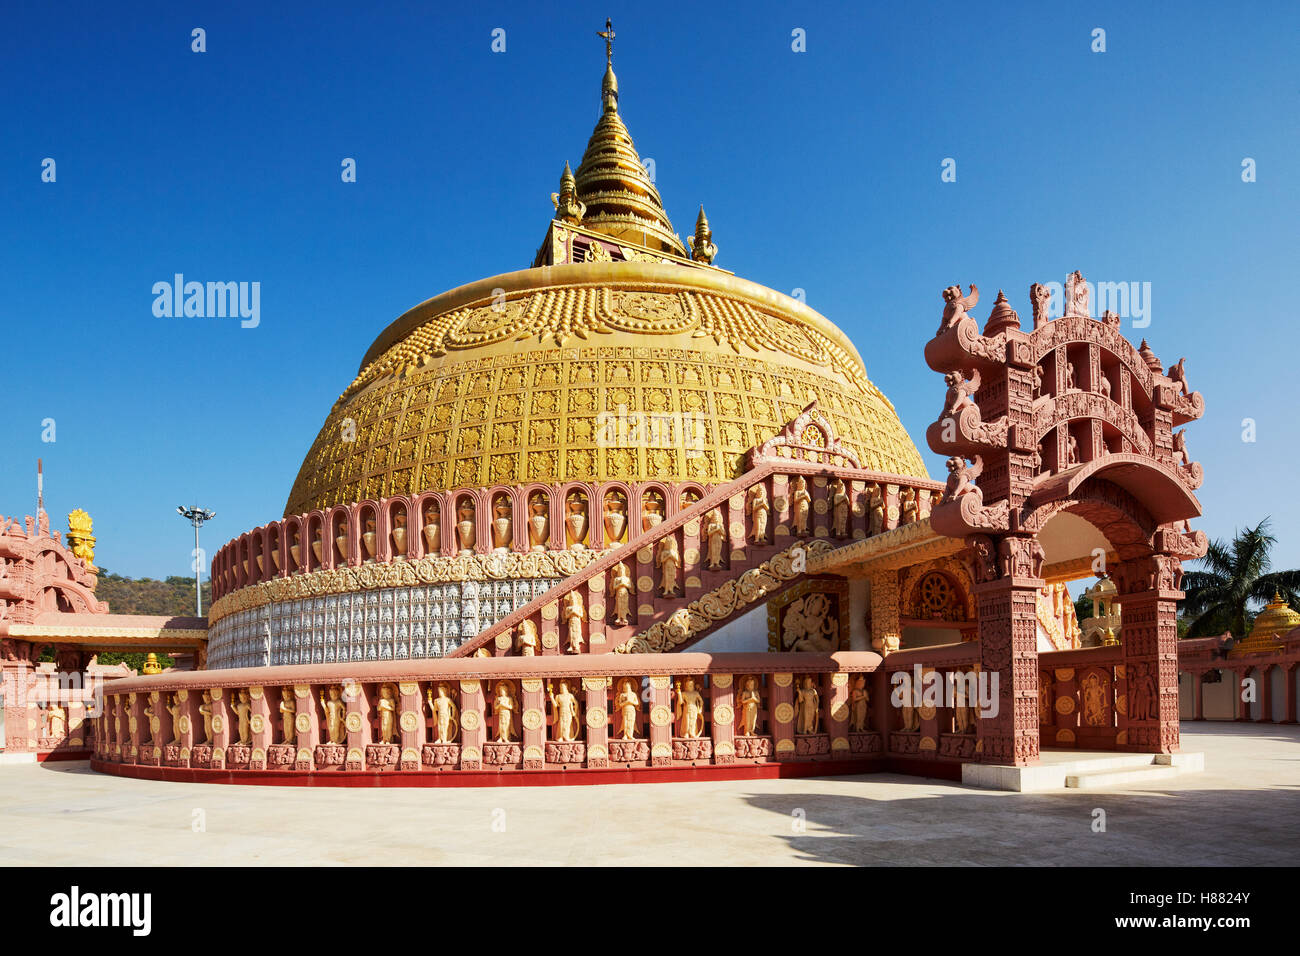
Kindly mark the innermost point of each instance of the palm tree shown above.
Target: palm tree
(1235, 576)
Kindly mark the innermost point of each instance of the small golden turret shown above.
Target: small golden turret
(567, 206)
(703, 249)
(151, 664)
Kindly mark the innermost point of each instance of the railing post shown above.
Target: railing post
(722, 693)
(781, 707)
(533, 723)
(661, 720)
(472, 729)
(597, 720)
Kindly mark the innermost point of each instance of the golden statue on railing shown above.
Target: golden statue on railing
(690, 710)
(565, 712)
(627, 705)
(445, 714)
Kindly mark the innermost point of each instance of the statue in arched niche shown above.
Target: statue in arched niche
(566, 712)
(505, 704)
(399, 533)
(875, 508)
(574, 615)
(859, 703)
(288, 714)
(808, 707)
(335, 714)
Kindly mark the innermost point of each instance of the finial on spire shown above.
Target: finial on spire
(703, 249)
(608, 35)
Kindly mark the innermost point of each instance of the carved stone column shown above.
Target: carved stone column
(356, 724)
(1008, 635)
(1148, 602)
(261, 731)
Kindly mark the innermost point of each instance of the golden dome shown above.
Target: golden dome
(615, 358)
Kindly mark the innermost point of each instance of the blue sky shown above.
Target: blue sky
(819, 170)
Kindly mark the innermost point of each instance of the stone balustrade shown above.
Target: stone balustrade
(481, 719)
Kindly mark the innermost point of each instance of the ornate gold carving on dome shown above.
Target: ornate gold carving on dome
(431, 569)
(80, 540)
(453, 403)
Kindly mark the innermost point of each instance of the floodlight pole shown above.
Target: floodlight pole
(196, 516)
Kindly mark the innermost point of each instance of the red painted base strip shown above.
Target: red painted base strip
(533, 778)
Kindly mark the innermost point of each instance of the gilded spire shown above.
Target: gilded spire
(621, 199)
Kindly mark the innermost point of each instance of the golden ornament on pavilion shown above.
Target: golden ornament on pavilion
(1271, 624)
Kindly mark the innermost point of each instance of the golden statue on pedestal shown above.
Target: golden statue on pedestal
(801, 504)
(748, 703)
(387, 707)
(859, 702)
(627, 705)
(574, 615)
(839, 508)
(668, 557)
(621, 587)
(715, 535)
(335, 714)
(446, 716)
(242, 708)
(565, 713)
(690, 710)
(808, 707)
(505, 706)
(205, 710)
(759, 509)
(288, 713)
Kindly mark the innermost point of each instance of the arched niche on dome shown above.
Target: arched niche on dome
(578, 531)
(370, 537)
(651, 505)
(242, 576)
(342, 544)
(315, 556)
(542, 518)
(293, 555)
(503, 519)
(275, 549)
(467, 532)
(431, 511)
(615, 499)
(256, 555)
(397, 535)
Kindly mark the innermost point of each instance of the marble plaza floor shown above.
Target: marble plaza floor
(1243, 810)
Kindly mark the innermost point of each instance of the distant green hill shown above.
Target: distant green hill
(172, 596)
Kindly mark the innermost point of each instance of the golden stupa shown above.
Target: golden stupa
(622, 353)
(1265, 637)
